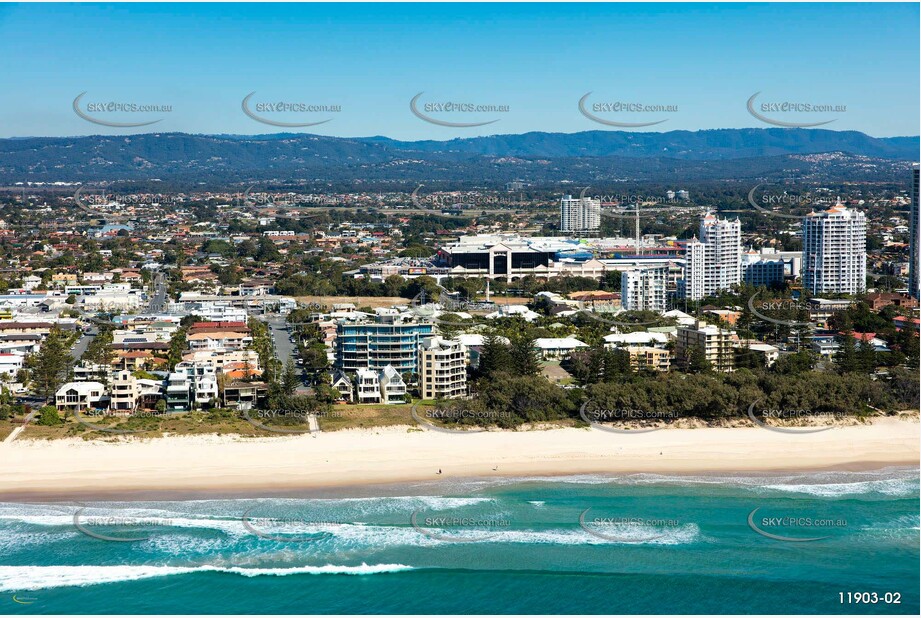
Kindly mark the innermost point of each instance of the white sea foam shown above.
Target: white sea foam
(17, 578)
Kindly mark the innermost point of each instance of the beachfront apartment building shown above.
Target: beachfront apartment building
(712, 343)
(835, 251)
(713, 262)
(580, 215)
(644, 289)
(648, 357)
(387, 340)
(442, 368)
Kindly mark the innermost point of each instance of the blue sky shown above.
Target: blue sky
(536, 59)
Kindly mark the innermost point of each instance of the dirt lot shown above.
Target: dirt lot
(358, 301)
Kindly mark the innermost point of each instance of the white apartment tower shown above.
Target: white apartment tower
(835, 251)
(644, 289)
(714, 261)
(580, 214)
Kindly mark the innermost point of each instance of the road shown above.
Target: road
(83, 342)
(284, 348)
(157, 302)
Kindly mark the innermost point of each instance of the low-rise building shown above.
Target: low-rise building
(712, 343)
(77, 396)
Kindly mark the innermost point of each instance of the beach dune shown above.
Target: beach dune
(399, 454)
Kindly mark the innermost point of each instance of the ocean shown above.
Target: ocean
(818, 543)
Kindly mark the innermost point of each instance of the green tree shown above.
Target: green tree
(525, 361)
(177, 345)
(47, 368)
(48, 417)
(495, 356)
(289, 379)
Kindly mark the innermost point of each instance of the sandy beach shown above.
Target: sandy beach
(398, 454)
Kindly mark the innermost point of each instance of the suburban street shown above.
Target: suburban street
(284, 348)
(157, 302)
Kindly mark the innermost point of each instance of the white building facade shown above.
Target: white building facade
(714, 261)
(644, 289)
(580, 214)
(835, 251)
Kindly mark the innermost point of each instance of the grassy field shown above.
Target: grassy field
(366, 416)
(191, 423)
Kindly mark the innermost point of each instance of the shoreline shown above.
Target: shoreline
(360, 460)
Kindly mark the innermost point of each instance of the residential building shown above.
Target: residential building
(557, 347)
(178, 392)
(10, 364)
(580, 215)
(77, 396)
(644, 289)
(393, 388)
(341, 383)
(761, 272)
(125, 391)
(714, 261)
(645, 357)
(388, 340)
(835, 251)
(244, 395)
(367, 386)
(713, 343)
(442, 368)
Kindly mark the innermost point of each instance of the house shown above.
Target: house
(10, 364)
(76, 396)
(342, 384)
(367, 386)
(125, 391)
(244, 395)
(557, 347)
(178, 392)
(393, 388)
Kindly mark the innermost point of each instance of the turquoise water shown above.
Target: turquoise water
(644, 544)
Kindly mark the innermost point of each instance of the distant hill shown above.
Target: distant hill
(534, 157)
(687, 145)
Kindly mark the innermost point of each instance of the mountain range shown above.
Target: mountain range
(533, 157)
